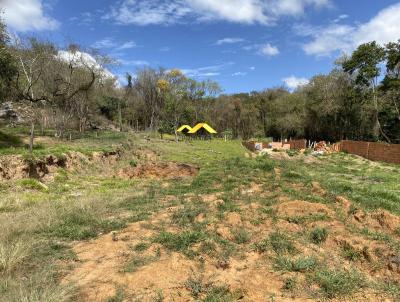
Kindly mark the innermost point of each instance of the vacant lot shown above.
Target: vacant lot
(129, 217)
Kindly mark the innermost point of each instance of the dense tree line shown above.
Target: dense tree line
(71, 91)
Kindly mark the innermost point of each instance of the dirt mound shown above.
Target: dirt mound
(13, 167)
(159, 170)
(378, 220)
(302, 208)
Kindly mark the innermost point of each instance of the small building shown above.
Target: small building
(184, 129)
(202, 130)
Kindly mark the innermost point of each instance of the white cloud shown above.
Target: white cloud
(79, 58)
(264, 12)
(229, 41)
(239, 73)
(133, 62)
(293, 82)
(104, 43)
(128, 45)
(207, 71)
(383, 28)
(27, 15)
(269, 50)
(340, 18)
(110, 43)
(165, 49)
(252, 68)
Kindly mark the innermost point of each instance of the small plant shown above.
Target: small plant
(318, 235)
(137, 262)
(292, 153)
(12, 254)
(350, 253)
(118, 297)
(281, 243)
(33, 184)
(180, 242)
(336, 283)
(301, 264)
(196, 285)
(290, 284)
(133, 163)
(141, 247)
(241, 235)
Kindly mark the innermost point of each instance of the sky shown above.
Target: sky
(244, 45)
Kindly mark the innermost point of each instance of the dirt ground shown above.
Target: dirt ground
(100, 270)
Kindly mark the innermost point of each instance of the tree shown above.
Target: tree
(364, 65)
(8, 68)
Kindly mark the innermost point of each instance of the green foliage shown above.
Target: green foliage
(318, 235)
(181, 242)
(241, 235)
(137, 262)
(350, 253)
(281, 243)
(300, 264)
(337, 283)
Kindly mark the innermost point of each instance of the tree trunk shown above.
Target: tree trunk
(31, 138)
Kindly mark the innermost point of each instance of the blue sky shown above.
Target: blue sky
(244, 45)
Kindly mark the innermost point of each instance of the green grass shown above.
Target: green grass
(241, 235)
(336, 283)
(181, 242)
(137, 262)
(299, 264)
(39, 224)
(318, 235)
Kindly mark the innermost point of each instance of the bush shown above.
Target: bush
(281, 243)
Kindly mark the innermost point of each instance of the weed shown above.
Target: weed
(159, 297)
(118, 297)
(196, 285)
(281, 243)
(301, 264)
(181, 242)
(350, 253)
(30, 183)
(241, 235)
(290, 284)
(137, 262)
(13, 253)
(141, 247)
(187, 215)
(222, 294)
(335, 283)
(318, 235)
(133, 163)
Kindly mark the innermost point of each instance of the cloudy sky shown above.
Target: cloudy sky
(245, 45)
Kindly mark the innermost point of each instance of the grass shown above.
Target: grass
(300, 264)
(137, 262)
(181, 242)
(336, 283)
(41, 223)
(318, 235)
(241, 235)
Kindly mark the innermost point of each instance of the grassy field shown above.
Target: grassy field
(278, 228)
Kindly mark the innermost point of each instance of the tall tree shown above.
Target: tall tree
(364, 65)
